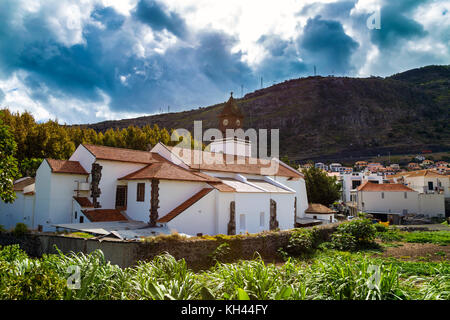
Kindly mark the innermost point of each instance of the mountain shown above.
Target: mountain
(338, 118)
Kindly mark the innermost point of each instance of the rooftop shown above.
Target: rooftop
(66, 166)
(317, 208)
(123, 155)
(104, 215)
(394, 187)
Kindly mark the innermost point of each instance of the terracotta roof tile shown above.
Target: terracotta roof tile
(318, 208)
(123, 155)
(167, 171)
(230, 163)
(21, 184)
(182, 207)
(370, 186)
(104, 215)
(66, 166)
(84, 202)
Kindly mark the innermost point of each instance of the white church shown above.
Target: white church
(164, 188)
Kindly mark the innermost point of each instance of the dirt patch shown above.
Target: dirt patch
(417, 251)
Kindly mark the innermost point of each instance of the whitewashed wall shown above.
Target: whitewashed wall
(137, 210)
(393, 202)
(111, 172)
(198, 218)
(21, 210)
(432, 205)
(84, 157)
(174, 193)
(43, 192)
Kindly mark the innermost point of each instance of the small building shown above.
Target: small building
(413, 166)
(385, 200)
(318, 211)
(334, 167)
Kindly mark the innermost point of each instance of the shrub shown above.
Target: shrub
(362, 229)
(343, 241)
(303, 241)
(20, 229)
(12, 253)
(28, 280)
(380, 227)
(355, 234)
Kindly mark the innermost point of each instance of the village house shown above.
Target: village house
(320, 212)
(413, 166)
(165, 187)
(391, 201)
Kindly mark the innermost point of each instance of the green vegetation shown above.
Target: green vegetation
(35, 141)
(20, 229)
(393, 234)
(80, 235)
(437, 237)
(8, 163)
(326, 275)
(321, 188)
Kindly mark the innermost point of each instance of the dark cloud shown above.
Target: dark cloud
(397, 24)
(325, 44)
(157, 16)
(197, 69)
(283, 61)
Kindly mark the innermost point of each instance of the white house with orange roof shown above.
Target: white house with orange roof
(190, 191)
(387, 199)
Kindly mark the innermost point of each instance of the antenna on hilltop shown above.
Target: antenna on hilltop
(242, 90)
(261, 82)
(315, 71)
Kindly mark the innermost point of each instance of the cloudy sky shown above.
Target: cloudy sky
(91, 60)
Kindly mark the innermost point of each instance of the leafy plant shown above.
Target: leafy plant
(20, 230)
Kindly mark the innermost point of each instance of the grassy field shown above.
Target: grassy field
(322, 273)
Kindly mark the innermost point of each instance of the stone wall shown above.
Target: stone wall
(195, 251)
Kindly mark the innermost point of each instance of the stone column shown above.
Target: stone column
(273, 215)
(154, 202)
(232, 223)
(96, 173)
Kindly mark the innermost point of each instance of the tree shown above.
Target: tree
(8, 164)
(321, 188)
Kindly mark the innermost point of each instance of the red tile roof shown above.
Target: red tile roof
(182, 207)
(317, 208)
(123, 155)
(167, 171)
(370, 186)
(104, 215)
(84, 202)
(66, 166)
(22, 184)
(235, 164)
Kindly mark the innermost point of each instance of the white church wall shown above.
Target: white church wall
(198, 218)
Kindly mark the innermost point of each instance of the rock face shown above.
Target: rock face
(338, 117)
